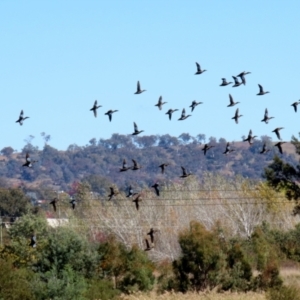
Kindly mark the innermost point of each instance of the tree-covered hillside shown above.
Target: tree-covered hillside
(99, 162)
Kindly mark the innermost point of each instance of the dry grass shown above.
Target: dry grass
(291, 275)
(196, 296)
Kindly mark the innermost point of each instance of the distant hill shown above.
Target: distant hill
(100, 161)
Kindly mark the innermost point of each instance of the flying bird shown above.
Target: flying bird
(250, 138)
(156, 188)
(112, 194)
(160, 103)
(95, 107)
(199, 71)
(279, 146)
(266, 117)
(236, 82)
(236, 116)
(109, 113)
(33, 241)
(227, 149)
(151, 234)
(53, 203)
(21, 118)
(261, 91)
(130, 192)
(162, 166)
(224, 82)
(73, 203)
(136, 130)
(135, 165)
(206, 148)
(194, 104)
(242, 76)
(184, 173)
(28, 163)
(137, 200)
(124, 167)
(295, 104)
(264, 149)
(276, 130)
(231, 102)
(183, 116)
(170, 112)
(138, 89)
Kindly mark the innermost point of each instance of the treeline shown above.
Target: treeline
(104, 158)
(63, 263)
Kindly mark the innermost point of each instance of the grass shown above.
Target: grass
(196, 296)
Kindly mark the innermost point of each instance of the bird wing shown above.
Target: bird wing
(198, 67)
(135, 127)
(138, 86)
(183, 113)
(183, 171)
(231, 99)
(260, 88)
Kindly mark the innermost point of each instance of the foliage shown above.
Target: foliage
(131, 269)
(202, 260)
(13, 202)
(14, 282)
(64, 284)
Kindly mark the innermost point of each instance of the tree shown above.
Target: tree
(201, 260)
(13, 202)
(7, 151)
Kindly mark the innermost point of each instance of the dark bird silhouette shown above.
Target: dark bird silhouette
(236, 116)
(276, 130)
(33, 241)
(109, 113)
(224, 82)
(73, 203)
(236, 82)
(261, 91)
(148, 248)
(160, 103)
(295, 104)
(94, 108)
(231, 102)
(169, 112)
(279, 146)
(21, 118)
(264, 149)
(130, 192)
(184, 173)
(266, 117)
(156, 188)
(162, 166)
(136, 130)
(135, 165)
(206, 148)
(151, 234)
(53, 203)
(199, 71)
(194, 104)
(137, 200)
(138, 89)
(227, 149)
(183, 116)
(28, 163)
(124, 167)
(112, 194)
(242, 76)
(250, 138)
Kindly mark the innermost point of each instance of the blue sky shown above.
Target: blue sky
(57, 57)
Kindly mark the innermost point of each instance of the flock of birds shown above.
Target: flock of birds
(239, 80)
